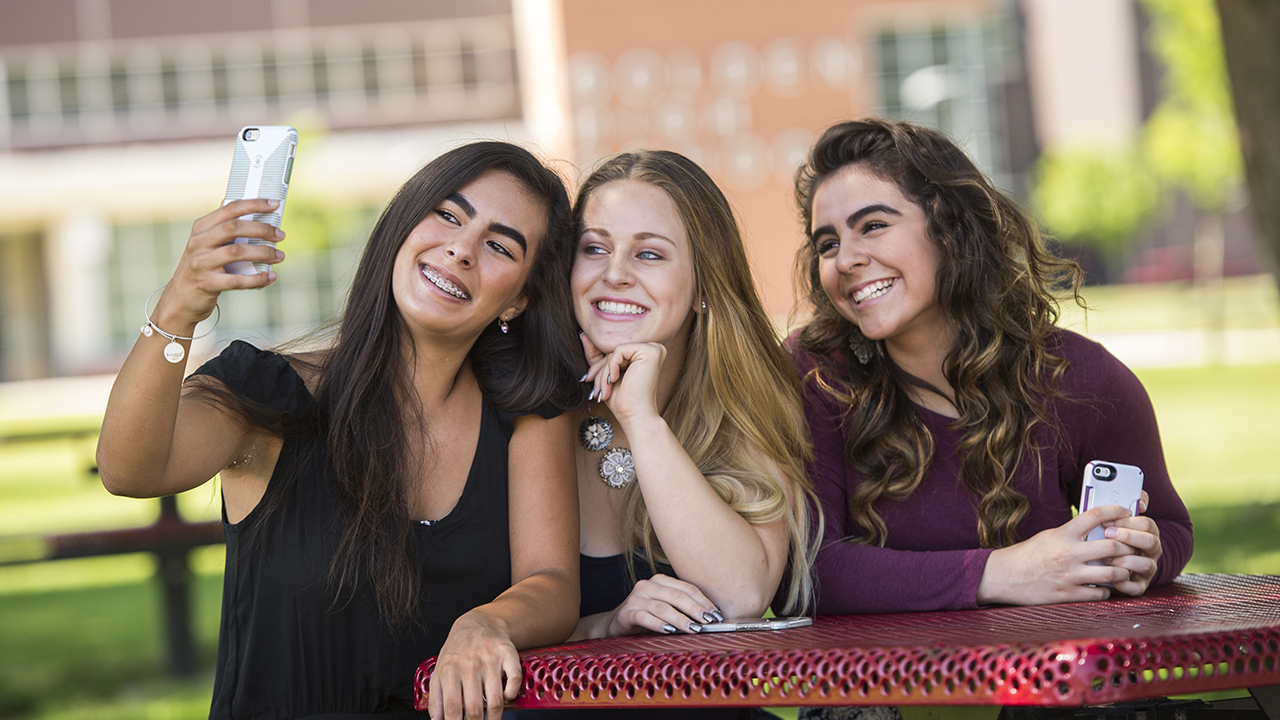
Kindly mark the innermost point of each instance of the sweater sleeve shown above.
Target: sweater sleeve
(854, 578)
(1120, 426)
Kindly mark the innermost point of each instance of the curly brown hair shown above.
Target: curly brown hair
(997, 290)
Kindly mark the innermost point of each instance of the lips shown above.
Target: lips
(872, 290)
(613, 307)
(434, 277)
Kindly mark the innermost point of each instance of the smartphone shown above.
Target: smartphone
(780, 623)
(1108, 483)
(261, 168)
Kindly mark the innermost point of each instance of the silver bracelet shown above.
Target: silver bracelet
(173, 352)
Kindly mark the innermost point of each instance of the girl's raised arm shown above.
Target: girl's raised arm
(152, 442)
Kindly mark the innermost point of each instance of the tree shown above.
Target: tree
(1100, 196)
(1250, 29)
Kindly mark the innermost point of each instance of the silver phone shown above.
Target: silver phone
(261, 168)
(743, 625)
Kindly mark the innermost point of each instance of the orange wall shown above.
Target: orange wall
(828, 78)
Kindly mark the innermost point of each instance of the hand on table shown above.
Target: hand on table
(477, 671)
(664, 605)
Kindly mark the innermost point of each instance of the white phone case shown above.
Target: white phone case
(261, 168)
(1108, 483)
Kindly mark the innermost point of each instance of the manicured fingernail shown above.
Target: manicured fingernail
(1110, 532)
(695, 628)
(719, 615)
(279, 255)
(584, 377)
(279, 233)
(668, 629)
(708, 617)
(594, 392)
(271, 276)
(274, 203)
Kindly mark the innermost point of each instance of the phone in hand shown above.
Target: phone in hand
(1109, 483)
(261, 168)
(742, 625)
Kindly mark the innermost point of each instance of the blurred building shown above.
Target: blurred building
(117, 118)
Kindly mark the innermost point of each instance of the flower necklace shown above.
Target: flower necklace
(617, 469)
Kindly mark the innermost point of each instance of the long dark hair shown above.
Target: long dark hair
(997, 289)
(362, 395)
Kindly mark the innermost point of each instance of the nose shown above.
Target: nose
(461, 250)
(618, 271)
(850, 256)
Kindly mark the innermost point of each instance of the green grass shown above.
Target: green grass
(1248, 303)
(1220, 427)
(80, 638)
(93, 648)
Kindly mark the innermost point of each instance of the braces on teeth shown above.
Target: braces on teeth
(443, 284)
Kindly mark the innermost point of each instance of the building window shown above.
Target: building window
(939, 76)
(311, 289)
(436, 71)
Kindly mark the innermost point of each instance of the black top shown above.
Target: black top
(286, 649)
(605, 581)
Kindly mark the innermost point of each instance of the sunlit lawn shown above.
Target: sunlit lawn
(81, 638)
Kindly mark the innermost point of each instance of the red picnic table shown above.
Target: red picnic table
(1200, 633)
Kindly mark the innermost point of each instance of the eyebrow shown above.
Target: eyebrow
(638, 236)
(855, 217)
(499, 228)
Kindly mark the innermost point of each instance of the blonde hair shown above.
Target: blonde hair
(736, 407)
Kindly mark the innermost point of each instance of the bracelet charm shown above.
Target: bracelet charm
(173, 352)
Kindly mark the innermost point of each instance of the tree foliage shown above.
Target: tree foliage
(1095, 194)
(1190, 140)
(1103, 196)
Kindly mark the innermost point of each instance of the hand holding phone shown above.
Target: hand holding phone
(261, 168)
(1108, 483)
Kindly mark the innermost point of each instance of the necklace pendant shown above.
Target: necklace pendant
(173, 352)
(595, 433)
(617, 468)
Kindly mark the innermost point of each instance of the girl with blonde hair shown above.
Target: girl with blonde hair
(692, 452)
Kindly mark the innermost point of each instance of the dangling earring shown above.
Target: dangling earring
(704, 306)
(503, 326)
(862, 348)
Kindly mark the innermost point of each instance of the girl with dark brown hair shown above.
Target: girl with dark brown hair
(370, 490)
(952, 420)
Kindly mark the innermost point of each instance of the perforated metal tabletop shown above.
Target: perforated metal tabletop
(1200, 633)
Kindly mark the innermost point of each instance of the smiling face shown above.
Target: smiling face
(875, 259)
(633, 272)
(465, 263)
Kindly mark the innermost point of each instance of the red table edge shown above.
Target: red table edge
(1128, 667)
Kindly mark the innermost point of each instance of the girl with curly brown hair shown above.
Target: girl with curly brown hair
(951, 418)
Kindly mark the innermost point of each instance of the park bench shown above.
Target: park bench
(1199, 634)
(170, 539)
